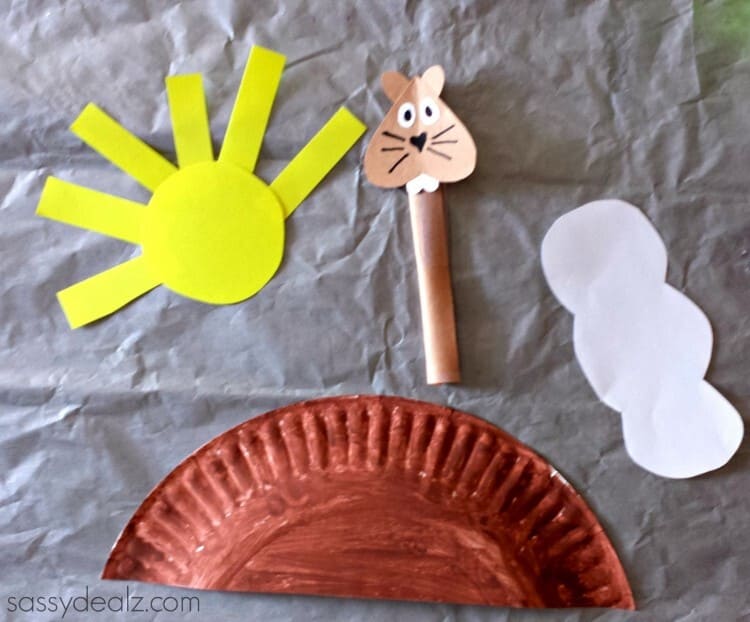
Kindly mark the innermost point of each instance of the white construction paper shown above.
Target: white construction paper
(643, 346)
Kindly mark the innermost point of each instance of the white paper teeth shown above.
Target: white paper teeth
(422, 182)
(643, 346)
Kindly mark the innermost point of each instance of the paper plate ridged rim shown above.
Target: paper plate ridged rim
(373, 497)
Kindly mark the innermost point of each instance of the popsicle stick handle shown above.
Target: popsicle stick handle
(430, 233)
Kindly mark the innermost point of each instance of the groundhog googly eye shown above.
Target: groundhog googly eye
(407, 114)
(428, 111)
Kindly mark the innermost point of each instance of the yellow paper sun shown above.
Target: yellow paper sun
(212, 230)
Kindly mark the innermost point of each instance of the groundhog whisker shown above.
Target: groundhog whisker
(441, 132)
(392, 135)
(440, 153)
(401, 159)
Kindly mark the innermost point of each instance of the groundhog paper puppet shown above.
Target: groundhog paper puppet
(421, 144)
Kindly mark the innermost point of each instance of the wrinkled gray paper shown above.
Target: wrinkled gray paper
(567, 101)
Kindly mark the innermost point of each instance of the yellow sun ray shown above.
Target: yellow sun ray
(106, 292)
(212, 230)
(252, 108)
(129, 153)
(96, 211)
(316, 159)
(187, 109)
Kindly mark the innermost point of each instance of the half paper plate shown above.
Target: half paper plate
(373, 497)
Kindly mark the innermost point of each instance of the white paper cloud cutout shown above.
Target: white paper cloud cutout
(643, 346)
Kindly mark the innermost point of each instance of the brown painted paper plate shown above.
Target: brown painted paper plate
(373, 497)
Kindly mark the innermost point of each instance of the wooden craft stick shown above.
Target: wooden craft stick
(430, 234)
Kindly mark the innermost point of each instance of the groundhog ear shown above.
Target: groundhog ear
(393, 84)
(434, 77)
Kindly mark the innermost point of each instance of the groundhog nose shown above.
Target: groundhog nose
(419, 141)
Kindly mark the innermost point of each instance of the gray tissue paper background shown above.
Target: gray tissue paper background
(567, 101)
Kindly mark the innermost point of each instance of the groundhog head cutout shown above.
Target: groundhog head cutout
(420, 142)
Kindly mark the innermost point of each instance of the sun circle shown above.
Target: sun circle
(214, 232)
